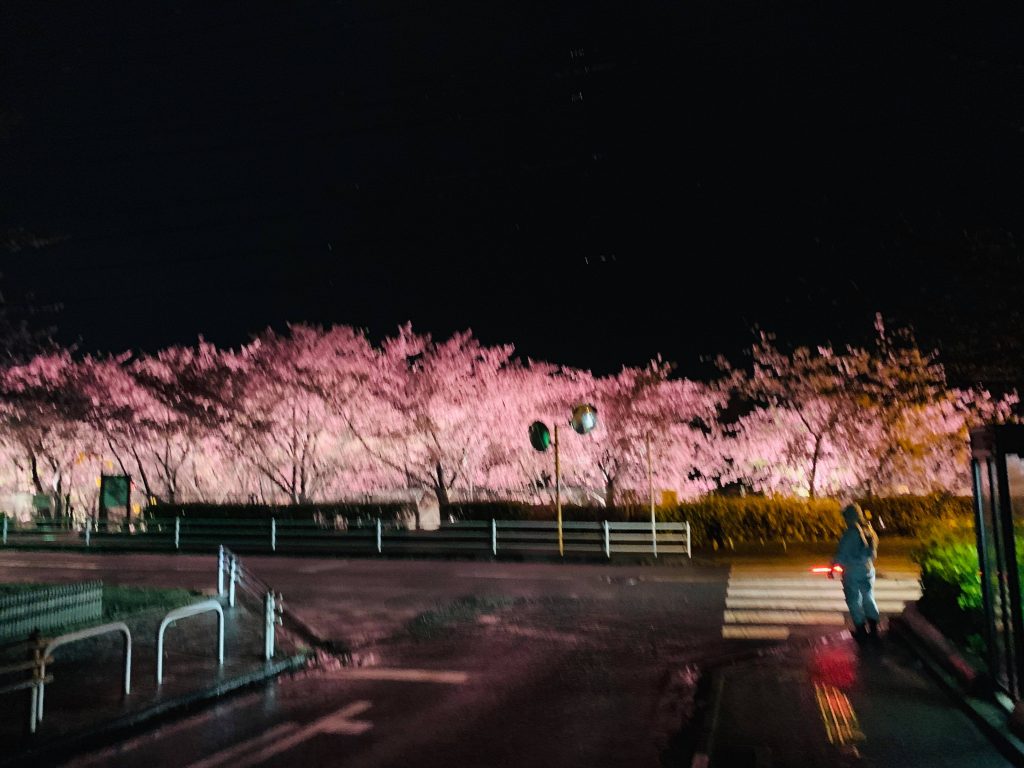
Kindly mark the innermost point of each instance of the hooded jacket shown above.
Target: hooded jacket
(858, 546)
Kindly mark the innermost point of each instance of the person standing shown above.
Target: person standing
(856, 553)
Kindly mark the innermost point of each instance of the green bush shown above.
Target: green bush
(914, 515)
(328, 515)
(728, 520)
(951, 585)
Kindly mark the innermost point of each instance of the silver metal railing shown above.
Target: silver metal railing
(39, 691)
(207, 606)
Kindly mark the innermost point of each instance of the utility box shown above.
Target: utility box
(115, 500)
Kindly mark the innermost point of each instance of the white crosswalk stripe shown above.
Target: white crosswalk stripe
(770, 604)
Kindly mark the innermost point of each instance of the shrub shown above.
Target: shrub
(951, 585)
(727, 520)
(339, 515)
(914, 515)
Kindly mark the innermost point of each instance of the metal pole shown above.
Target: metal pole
(650, 489)
(607, 540)
(273, 534)
(220, 571)
(494, 537)
(688, 552)
(234, 577)
(88, 530)
(379, 536)
(270, 616)
(177, 533)
(558, 496)
(5, 530)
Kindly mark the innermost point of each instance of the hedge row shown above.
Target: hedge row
(727, 520)
(329, 515)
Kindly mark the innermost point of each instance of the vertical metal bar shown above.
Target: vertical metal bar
(650, 489)
(177, 533)
(689, 551)
(5, 530)
(379, 536)
(558, 496)
(607, 540)
(269, 617)
(1012, 573)
(220, 571)
(88, 530)
(273, 534)
(494, 537)
(234, 577)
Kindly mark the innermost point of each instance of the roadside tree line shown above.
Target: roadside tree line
(324, 414)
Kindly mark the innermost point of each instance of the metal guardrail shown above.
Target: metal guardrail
(207, 606)
(230, 567)
(49, 608)
(34, 645)
(496, 537)
(39, 692)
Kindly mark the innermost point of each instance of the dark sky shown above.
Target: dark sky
(594, 181)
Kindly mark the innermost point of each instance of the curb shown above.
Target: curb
(991, 718)
(68, 746)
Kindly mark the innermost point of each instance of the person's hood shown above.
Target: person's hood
(853, 515)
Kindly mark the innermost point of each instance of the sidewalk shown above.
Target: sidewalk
(85, 705)
(834, 704)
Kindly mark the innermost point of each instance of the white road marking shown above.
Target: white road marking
(827, 618)
(755, 632)
(764, 604)
(288, 736)
(821, 604)
(239, 750)
(447, 677)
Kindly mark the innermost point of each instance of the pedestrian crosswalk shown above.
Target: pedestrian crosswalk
(771, 604)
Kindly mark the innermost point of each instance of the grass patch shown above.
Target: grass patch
(119, 602)
(434, 623)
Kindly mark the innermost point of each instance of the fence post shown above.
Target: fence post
(379, 536)
(5, 530)
(234, 577)
(37, 678)
(88, 530)
(654, 538)
(494, 537)
(269, 619)
(177, 533)
(220, 571)
(607, 540)
(273, 534)
(689, 554)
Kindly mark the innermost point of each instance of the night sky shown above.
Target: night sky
(596, 181)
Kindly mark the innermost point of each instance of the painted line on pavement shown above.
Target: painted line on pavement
(887, 606)
(288, 736)
(755, 632)
(785, 617)
(393, 674)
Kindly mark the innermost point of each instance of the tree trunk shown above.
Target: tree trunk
(609, 492)
(814, 466)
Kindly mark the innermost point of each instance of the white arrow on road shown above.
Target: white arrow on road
(288, 736)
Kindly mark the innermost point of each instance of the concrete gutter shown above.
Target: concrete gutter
(62, 748)
(966, 685)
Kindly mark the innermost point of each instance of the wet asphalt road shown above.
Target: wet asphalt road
(463, 663)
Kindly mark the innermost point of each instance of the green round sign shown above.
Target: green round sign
(540, 436)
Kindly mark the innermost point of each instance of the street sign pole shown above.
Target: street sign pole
(558, 495)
